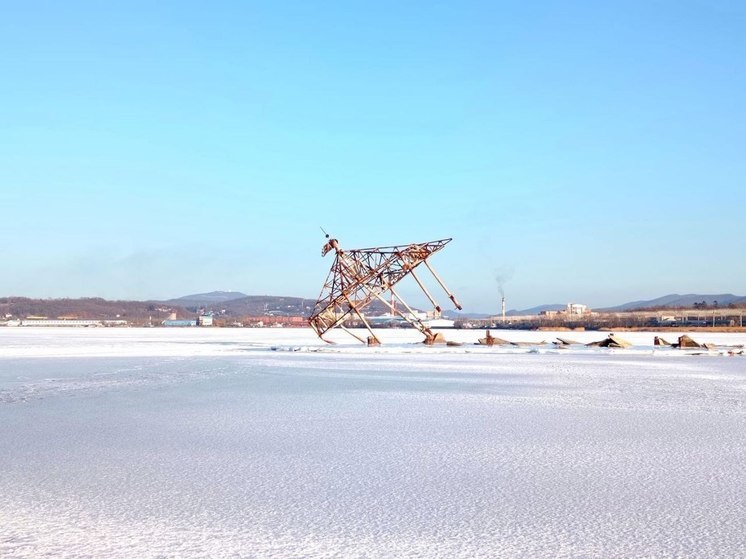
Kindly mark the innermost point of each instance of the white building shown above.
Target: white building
(576, 308)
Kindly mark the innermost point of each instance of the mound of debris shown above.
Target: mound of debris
(686, 342)
(661, 342)
(611, 341)
(491, 340)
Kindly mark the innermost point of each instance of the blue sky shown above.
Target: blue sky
(582, 151)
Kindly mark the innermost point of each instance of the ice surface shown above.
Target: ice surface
(270, 443)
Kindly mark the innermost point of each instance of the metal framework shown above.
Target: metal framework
(360, 276)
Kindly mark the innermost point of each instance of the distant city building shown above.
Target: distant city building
(205, 320)
(576, 308)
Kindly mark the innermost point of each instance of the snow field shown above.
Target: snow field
(170, 444)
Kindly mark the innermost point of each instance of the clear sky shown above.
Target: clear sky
(592, 152)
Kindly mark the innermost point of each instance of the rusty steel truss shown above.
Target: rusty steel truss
(360, 276)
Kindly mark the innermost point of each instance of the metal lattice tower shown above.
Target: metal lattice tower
(360, 276)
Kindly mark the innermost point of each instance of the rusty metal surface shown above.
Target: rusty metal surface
(360, 276)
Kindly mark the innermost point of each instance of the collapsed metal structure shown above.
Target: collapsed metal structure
(360, 276)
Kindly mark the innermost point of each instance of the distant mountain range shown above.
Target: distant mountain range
(681, 301)
(455, 315)
(212, 298)
(236, 304)
(674, 300)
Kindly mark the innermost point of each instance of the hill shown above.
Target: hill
(89, 308)
(211, 298)
(262, 305)
(675, 300)
(237, 305)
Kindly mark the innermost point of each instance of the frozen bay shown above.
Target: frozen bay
(268, 443)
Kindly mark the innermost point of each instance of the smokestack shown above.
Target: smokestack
(503, 307)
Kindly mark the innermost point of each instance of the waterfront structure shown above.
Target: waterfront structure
(177, 323)
(66, 322)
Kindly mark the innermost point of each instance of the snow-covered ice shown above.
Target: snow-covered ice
(270, 443)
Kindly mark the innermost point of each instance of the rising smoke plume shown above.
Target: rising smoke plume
(502, 276)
